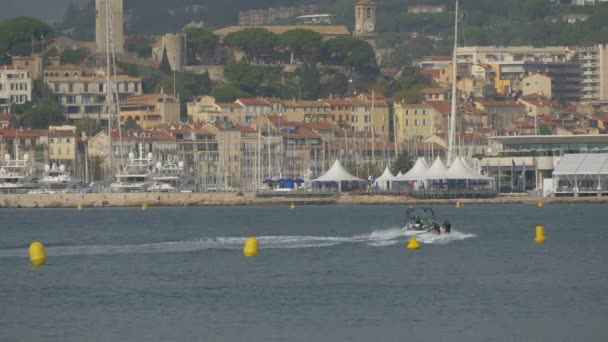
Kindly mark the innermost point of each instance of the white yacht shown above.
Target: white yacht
(56, 179)
(136, 176)
(16, 173)
(171, 177)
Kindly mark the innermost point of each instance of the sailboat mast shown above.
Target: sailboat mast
(452, 125)
(108, 87)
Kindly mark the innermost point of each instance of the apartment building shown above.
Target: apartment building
(15, 87)
(150, 110)
(414, 121)
(594, 64)
(513, 54)
(306, 111)
(33, 64)
(271, 15)
(85, 96)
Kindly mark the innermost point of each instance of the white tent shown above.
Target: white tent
(337, 173)
(459, 171)
(399, 175)
(384, 182)
(437, 171)
(417, 172)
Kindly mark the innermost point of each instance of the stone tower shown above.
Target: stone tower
(365, 21)
(117, 25)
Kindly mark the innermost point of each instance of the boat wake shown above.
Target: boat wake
(377, 238)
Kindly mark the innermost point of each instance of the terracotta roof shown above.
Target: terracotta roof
(523, 124)
(300, 133)
(297, 104)
(320, 126)
(339, 102)
(15, 133)
(62, 133)
(434, 73)
(441, 107)
(501, 104)
(10, 67)
(229, 105)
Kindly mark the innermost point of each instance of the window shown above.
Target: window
(416, 122)
(369, 12)
(415, 111)
(407, 122)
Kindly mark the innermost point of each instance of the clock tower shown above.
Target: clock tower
(365, 21)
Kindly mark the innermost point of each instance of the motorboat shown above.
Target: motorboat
(171, 177)
(16, 174)
(135, 176)
(424, 220)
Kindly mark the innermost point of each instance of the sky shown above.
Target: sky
(50, 11)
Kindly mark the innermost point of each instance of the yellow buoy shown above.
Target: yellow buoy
(37, 254)
(540, 235)
(413, 244)
(293, 206)
(540, 204)
(144, 207)
(458, 205)
(79, 207)
(252, 247)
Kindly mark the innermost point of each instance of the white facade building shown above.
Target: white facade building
(15, 87)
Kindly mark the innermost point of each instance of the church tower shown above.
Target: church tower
(117, 25)
(365, 21)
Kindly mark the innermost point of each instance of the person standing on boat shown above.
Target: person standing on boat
(447, 227)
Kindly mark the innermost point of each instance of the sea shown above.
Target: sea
(324, 273)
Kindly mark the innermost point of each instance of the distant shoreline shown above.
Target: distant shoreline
(99, 200)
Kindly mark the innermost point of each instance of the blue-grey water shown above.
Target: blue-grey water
(324, 273)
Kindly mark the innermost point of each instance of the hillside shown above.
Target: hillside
(508, 22)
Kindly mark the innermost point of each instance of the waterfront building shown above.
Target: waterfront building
(63, 146)
(33, 64)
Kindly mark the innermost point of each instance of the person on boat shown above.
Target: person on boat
(447, 227)
(436, 229)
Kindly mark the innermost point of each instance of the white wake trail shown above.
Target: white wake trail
(377, 238)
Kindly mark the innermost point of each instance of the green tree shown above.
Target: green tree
(74, 56)
(39, 114)
(310, 82)
(246, 76)
(402, 164)
(164, 63)
(253, 41)
(351, 52)
(130, 124)
(300, 42)
(16, 36)
(228, 93)
(201, 39)
(87, 125)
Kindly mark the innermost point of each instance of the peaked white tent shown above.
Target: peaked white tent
(437, 171)
(417, 172)
(385, 181)
(459, 171)
(337, 174)
(399, 175)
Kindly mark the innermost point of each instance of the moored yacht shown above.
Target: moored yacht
(171, 177)
(16, 173)
(136, 176)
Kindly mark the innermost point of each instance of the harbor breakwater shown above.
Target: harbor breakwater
(245, 199)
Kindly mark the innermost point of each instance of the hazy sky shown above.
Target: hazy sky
(47, 10)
